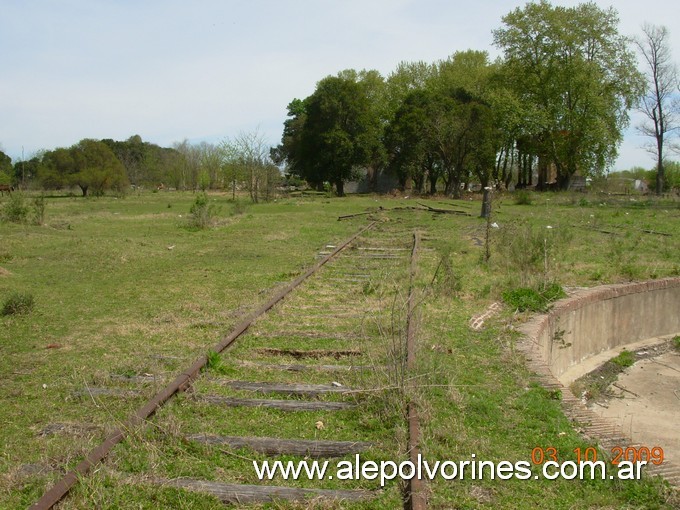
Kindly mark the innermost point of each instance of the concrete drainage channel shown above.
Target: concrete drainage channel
(595, 322)
(287, 361)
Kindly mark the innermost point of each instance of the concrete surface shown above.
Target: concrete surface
(650, 410)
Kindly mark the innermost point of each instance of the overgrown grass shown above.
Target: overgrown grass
(18, 303)
(124, 288)
(528, 299)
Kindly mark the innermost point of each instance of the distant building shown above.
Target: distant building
(640, 185)
(370, 182)
(578, 183)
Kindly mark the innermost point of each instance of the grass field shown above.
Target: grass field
(124, 287)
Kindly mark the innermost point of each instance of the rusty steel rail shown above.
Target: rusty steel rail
(181, 383)
(415, 490)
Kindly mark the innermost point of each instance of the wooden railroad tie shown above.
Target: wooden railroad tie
(301, 368)
(277, 446)
(248, 494)
(311, 353)
(285, 405)
(287, 388)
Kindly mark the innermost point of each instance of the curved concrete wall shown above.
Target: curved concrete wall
(603, 318)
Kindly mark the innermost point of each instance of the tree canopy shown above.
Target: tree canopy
(5, 168)
(556, 104)
(90, 165)
(334, 131)
(576, 77)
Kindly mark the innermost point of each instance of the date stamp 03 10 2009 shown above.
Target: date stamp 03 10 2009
(655, 455)
(625, 458)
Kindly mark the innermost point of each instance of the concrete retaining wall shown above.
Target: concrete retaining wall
(603, 318)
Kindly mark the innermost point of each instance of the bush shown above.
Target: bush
(39, 210)
(18, 304)
(15, 209)
(523, 197)
(202, 212)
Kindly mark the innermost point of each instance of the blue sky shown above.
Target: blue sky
(209, 69)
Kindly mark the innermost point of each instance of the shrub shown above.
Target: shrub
(39, 210)
(523, 197)
(18, 304)
(15, 209)
(202, 212)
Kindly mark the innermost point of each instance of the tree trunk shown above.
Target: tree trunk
(660, 177)
(563, 181)
(419, 183)
(340, 187)
(433, 184)
(542, 183)
(456, 193)
(507, 177)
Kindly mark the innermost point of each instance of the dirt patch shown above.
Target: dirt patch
(4, 272)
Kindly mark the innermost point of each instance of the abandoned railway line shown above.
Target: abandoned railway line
(322, 370)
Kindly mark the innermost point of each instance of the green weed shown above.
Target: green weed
(18, 303)
(523, 197)
(624, 359)
(529, 299)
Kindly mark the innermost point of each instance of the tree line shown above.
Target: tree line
(555, 104)
(95, 166)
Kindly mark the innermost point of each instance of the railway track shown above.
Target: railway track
(320, 371)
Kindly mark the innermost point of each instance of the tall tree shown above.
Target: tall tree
(337, 133)
(408, 143)
(659, 102)
(573, 69)
(90, 165)
(285, 154)
(6, 169)
(248, 155)
(444, 127)
(96, 168)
